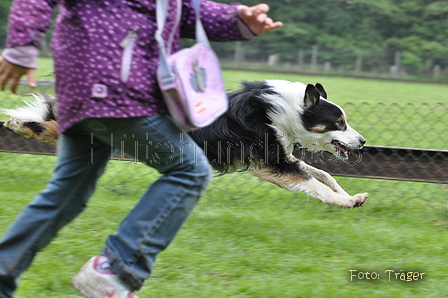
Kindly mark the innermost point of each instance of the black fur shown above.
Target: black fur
(326, 114)
(241, 137)
(51, 103)
(312, 96)
(321, 90)
(36, 127)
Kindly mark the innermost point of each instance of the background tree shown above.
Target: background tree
(416, 28)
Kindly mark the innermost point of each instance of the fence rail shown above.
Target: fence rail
(405, 164)
(392, 163)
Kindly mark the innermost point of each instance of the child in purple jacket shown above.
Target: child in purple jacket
(109, 100)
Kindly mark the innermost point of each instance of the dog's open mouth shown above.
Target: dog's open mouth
(340, 148)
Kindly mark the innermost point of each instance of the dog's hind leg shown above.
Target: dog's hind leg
(49, 133)
(320, 191)
(308, 184)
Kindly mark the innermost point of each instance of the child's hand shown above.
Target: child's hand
(11, 73)
(256, 18)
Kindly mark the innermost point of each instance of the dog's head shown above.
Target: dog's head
(312, 121)
(327, 124)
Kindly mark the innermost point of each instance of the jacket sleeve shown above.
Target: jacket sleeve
(220, 21)
(28, 21)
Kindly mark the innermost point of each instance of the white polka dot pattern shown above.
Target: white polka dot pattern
(88, 45)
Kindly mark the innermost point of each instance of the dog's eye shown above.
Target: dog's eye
(340, 122)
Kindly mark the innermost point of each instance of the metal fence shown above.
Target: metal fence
(312, 59)
(419, 171)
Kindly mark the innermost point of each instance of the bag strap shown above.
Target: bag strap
(165, 71)
(201, 36)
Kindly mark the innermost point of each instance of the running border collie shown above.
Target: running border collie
(265, 122)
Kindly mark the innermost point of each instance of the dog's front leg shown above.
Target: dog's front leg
(322, 192)
(324, 177)
(306, 183)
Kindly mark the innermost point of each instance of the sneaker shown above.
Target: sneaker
(93, 281)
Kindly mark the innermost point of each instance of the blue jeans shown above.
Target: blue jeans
(83, 153)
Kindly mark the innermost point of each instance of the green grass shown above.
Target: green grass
(251, 239)
(45, 68)
(354, 90)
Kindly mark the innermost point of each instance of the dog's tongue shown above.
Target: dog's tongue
(341, 147)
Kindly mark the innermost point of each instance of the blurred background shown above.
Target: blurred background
(388, 39)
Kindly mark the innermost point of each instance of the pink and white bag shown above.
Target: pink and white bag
(190, 79)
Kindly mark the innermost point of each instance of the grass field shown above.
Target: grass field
(252, 239)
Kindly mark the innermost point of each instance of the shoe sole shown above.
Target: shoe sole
(88, 283)
(93, 285)
(80, 283)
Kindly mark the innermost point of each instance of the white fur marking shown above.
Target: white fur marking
(35, 110)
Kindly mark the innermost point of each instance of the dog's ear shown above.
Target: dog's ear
(321, 90)
(312, 96)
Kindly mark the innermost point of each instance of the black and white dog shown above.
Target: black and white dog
(265, 121)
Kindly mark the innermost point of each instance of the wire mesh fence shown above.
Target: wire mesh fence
(404, 176)
(335, 61)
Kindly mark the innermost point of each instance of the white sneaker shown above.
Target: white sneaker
(92, 283)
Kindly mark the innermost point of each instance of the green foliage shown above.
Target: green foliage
(412, 62)
(417, 27)
(4, 10)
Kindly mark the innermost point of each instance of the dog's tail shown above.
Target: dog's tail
(39, 109)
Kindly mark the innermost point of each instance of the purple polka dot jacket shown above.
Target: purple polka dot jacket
(105, 52)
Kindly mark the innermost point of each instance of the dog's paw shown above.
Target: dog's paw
(359, 200)
(13, 124)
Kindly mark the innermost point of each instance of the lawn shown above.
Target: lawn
(355, 90)
(251, 239)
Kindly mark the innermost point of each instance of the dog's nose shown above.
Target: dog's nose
(362, 141)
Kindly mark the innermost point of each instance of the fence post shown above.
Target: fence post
(395, 69)
(327, 66)
(436, 72)
(239, 55)
(300, 60)
(314, 59)
(273, 60)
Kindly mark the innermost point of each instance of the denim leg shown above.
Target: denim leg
(65, 196)
(152, 224)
